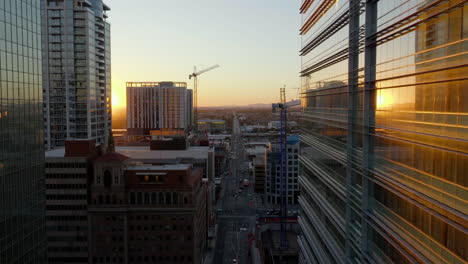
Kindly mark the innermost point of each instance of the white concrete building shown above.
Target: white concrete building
(76, 71)
(156, 105)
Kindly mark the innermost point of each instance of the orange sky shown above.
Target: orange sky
(258, 53)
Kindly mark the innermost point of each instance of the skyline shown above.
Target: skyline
(370, 165)
(233, 44)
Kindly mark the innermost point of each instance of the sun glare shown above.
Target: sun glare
(384, 100)
(118, 96)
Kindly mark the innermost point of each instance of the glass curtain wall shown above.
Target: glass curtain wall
(384, 152)
(22, 190)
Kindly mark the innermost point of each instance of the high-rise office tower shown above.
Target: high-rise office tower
(155, 106)
(22, 190)
(384, 149)
(76, 63)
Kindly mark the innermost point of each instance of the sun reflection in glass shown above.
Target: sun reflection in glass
(384, 100)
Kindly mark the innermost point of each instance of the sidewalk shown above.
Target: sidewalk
(210, 248)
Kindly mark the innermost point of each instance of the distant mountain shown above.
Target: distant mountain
(259, 105)
(255, 106)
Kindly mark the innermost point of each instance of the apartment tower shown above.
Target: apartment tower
(156, 106)
(22, 190)
(76, 63)
(384, 148)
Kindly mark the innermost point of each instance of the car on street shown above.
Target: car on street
(234, 261)
(240, 190)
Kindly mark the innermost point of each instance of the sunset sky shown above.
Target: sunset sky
(256, 42)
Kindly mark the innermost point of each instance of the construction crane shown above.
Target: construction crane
(297, 92)
(195, 92)
(283, 136)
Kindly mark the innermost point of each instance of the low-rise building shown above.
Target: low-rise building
(211, 125)
(199, 157)
(142, 213)
(95, 200)
(277, 124)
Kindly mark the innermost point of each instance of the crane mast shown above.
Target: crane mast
(283, 137)
(194, 75)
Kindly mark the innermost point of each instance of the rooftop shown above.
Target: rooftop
(261, 143)
(159, 167)
(219, 136)
(111, 156)
(55, 153)
(156, 84)
(293, 139)
(144, 152)
(211, 121)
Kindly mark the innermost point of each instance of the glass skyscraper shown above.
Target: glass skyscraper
(22, 191)
(384, 144)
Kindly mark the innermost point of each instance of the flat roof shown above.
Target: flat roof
(219, 136)
(257, 143)
(144, 152)
(212, 120)
(164, 84)
(160, 167)
(55, 153)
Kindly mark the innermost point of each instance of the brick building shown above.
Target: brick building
(142, 213)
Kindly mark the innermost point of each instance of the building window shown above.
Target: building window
(107, 179)
(161, 198)
(139, 198)
(168, 198)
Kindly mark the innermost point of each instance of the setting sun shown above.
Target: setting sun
(118, 95)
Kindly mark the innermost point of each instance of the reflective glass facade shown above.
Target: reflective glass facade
(22, 190)
(384, 152)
